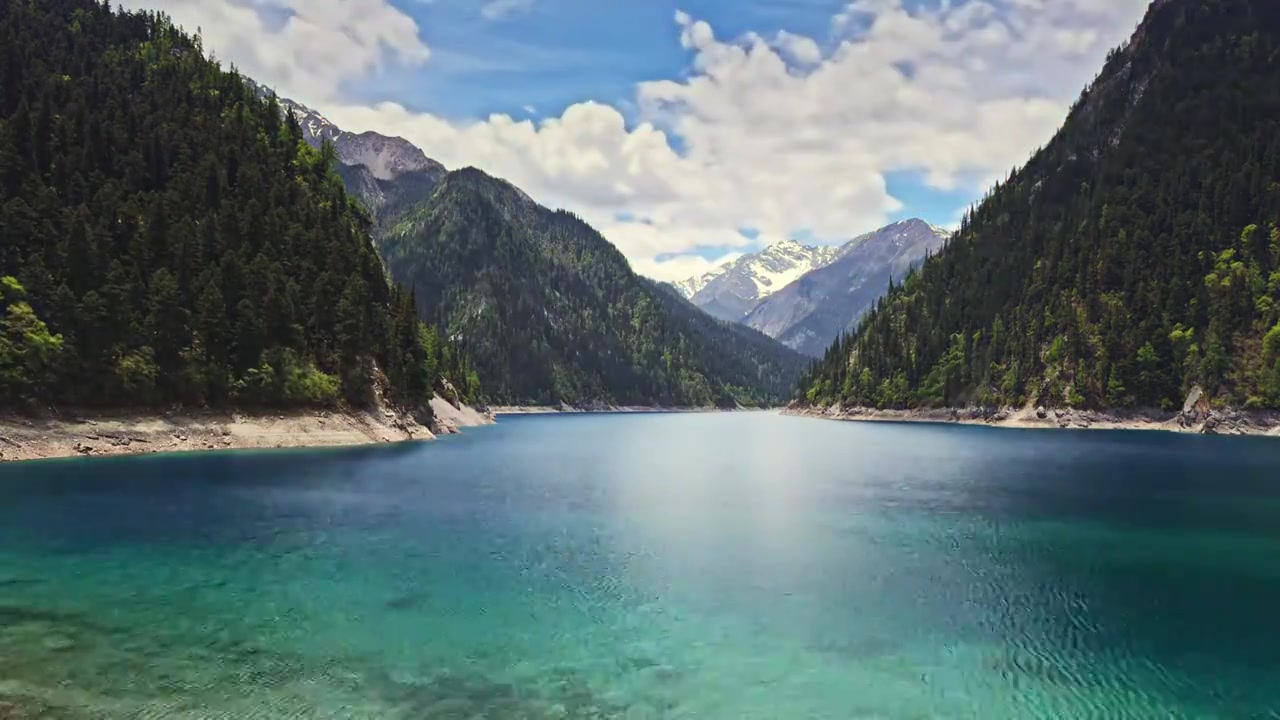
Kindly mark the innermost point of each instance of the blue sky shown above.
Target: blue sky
(671, 125)
(555, 53)
(541, 57)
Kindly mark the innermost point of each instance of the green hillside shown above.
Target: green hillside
(1134, 257)
(167, 237)
(549, 311)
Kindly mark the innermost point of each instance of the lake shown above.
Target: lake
(736, 566)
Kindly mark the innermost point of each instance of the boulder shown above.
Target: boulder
(1193, 400)
(1042, 413)
(1211, 425)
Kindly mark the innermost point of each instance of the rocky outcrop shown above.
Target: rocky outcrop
(449, 418)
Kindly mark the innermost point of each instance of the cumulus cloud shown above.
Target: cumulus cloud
(680, 267)
(783, 134)
(313, 47)
(798, 48)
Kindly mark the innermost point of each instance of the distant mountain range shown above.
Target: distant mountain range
(803, 296)
(731, 291)
(544, 307)
(806, 297)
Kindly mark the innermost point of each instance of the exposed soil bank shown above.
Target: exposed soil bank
(1194, 419)
(135, 432)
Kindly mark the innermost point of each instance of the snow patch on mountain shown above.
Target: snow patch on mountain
(692, 286)
(782, 264)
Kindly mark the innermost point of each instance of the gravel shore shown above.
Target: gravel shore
(133, 432)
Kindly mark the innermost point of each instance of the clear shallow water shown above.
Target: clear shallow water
(702, 566)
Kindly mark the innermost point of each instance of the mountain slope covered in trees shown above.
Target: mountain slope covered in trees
(549, 311)
(167, 236)
(1133, 258)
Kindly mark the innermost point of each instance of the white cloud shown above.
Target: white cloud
(319, 45)
(781, 134)
(681, 266)
(798, 48)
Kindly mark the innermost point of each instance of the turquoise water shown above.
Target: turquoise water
(731, 566)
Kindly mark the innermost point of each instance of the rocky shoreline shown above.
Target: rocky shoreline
(1196, 417)
(137, 432)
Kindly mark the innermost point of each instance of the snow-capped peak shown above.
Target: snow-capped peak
(692, 286)
(783, 263)
(731, 290)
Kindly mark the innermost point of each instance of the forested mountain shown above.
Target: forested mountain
(388, 175)
(1134, 257)
(812, 312)
(539, 302)
(730, 291)
(387, 199)
(166, 235)
(550, 311)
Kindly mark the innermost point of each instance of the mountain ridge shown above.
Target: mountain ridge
(386, 157)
